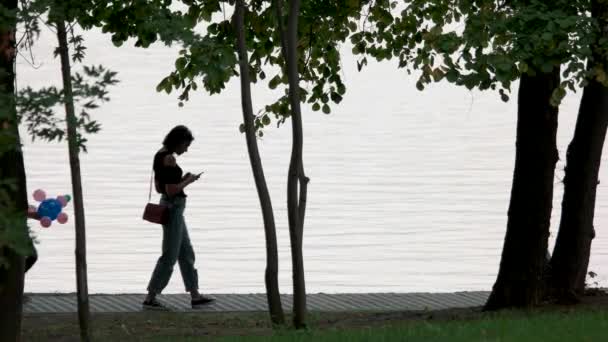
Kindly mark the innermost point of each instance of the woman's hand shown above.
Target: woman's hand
(190, 178)
(187, 179)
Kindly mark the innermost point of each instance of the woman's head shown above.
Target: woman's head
(178, 140)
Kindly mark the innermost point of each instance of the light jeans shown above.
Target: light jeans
(176, 248)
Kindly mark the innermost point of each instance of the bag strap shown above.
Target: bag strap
(150, 193)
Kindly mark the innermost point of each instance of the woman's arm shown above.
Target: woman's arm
(173, 189)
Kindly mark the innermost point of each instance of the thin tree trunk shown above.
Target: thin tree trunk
(296, 202)
(573, 245)
(11, 169)
(519, 281)
(73, 148)
(272, 259)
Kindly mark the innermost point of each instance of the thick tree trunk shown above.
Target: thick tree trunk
(573, 245)
(73, 149)
(296, 201)
(519, 278)
(11, 293)
(11, 169)
(272, 259)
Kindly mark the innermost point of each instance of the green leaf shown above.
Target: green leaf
(352, 26)
(180, 63)
(326, 109)
(419, 86)
(274, 82)
(162, 84)
(335, 97)
(504, 97)
(451, 76)
(546, 67)
(558, 95)
(523, 67)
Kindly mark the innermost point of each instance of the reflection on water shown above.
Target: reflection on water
(409, 190)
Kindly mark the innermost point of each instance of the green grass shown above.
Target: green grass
(561, 324)
(566, 326)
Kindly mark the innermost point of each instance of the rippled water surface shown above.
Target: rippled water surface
(409, 190)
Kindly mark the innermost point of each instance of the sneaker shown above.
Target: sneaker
(154, 305)
(202, 300)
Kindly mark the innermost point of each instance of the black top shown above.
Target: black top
(166, 174)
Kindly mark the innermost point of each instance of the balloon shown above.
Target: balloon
(55, 207)
(62, 218)
(39, 195)
(45, 222)
(62, 200)
(49, 208)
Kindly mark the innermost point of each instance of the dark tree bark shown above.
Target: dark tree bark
(73, 149)
(272, 259)
(296, 200)
(11, 169)
(573, 245)
(519, 282)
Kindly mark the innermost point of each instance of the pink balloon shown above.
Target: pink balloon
(62, 218)
(39, 195)
(62, 200)
(45, 222)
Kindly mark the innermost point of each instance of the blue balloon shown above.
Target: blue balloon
(50, 208)
(56, 207)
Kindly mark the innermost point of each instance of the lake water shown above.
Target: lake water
(409, 190)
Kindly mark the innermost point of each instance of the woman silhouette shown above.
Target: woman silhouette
(170, 182)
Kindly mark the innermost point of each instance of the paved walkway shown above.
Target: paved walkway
(62, 303)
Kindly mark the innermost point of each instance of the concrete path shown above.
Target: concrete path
(65, 303)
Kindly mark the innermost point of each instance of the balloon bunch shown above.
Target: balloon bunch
(49, 209)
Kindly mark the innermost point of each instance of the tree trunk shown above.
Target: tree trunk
(11, 293)
(296, 202)
(573, 245)
(272, 259)
(11, 169)
(73, 148)
(519, 282)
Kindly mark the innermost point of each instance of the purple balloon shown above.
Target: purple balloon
(62, 200)
(62, 218)
(39, 195)
(45, 222)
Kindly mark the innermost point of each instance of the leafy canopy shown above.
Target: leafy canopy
(208, 58)
(484, 44)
